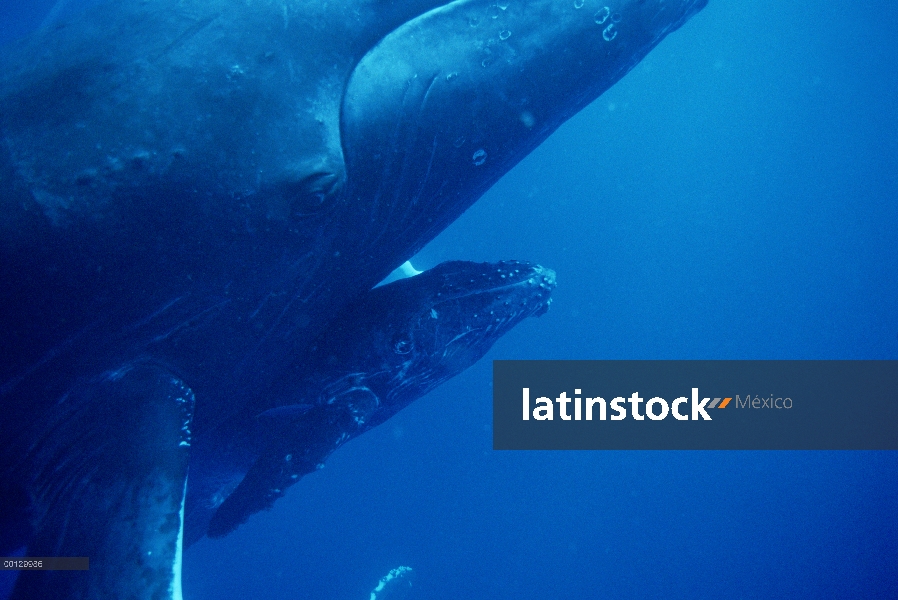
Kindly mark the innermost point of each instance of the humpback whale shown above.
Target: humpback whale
(382, 352)
(192, 190)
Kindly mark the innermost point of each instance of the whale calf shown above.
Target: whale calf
(384, 351)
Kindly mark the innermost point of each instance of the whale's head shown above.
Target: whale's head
(448, 102)
(280, 125)
(405, 338)
(459, 310)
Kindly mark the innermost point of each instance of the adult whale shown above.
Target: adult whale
(190, 190)
(382, 352)
(180, 172)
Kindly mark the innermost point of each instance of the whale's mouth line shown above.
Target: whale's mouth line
(463, 334)
(546, 285)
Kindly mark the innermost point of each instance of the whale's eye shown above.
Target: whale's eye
(312, 194)
(402, 345)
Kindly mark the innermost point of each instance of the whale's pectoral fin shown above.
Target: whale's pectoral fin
(296, 447)
(109, 480)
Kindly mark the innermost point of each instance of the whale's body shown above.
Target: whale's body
(192, 190)
(384, 351)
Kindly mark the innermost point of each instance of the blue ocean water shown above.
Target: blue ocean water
(733, 197)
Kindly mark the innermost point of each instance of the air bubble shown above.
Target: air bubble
(459, 141)
(504, 35)
(610, 33)
(615, 18)
(602, 15)
(479, 157)
(474, 21)
(452, 76)
(578, 4)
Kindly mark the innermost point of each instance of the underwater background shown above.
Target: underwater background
(734, 197)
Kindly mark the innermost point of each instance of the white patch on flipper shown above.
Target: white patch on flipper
(396, 573)
(176, 593)
(404, 271)
(408, 270)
